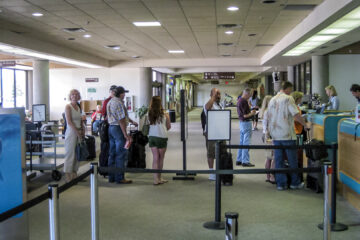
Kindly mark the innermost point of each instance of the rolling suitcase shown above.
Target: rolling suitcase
(226, 162)
(104, 156)
(90, 143)
(136, 154)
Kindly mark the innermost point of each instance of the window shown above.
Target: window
(13, 88)
(154, 76)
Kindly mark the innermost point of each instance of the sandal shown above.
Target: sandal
(163, 181)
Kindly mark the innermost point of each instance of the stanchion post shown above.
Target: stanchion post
(217, 224)
(326, 222)
(231, 226)
(54, 212)
(94, 202)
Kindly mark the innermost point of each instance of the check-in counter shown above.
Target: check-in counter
(349, 160)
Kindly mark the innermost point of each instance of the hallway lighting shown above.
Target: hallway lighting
(87, 36)
(30, 53)
(176, 51)
(147, 24)
(37, 14)
(229, 32)
(345, 24)
(232, 8)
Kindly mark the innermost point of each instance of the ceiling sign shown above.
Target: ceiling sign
(219, 75)
(7, 63)
(91, 79)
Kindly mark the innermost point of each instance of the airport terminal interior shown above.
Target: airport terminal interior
(182, 51)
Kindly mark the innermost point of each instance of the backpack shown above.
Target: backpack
(104, 131)
(203, 120)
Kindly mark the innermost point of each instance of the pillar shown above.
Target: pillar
(41, 84)
(163, 90)
(290, 74)
(320, 75)
(29, 89)
(145, 86)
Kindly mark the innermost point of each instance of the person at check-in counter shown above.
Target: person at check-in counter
(355, 91)
(334, 101)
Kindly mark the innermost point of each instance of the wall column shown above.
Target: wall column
(30, 88)
(145, 86)
(320, 75)
(41, 84)
(290, 74)
(163, 90)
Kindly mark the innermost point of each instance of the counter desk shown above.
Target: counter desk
(349, 160)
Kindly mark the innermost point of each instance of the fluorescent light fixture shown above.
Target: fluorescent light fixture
(30, 53)
(345, 24)
(37, 14)
(229, 32)
(147, 24)
(116, 48)
(87, 36)
(176, 51)
(232, 8)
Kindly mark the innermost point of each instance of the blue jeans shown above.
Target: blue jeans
(245, 139)
(117, 153)
(281, 179)
(96, 124)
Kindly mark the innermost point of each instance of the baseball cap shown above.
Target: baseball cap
(113, 87)
(121, 90)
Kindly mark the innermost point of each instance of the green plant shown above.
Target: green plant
(140, 112)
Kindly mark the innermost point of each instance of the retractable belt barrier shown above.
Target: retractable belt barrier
(55, 191)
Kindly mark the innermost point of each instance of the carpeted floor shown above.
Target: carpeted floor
(178, 209)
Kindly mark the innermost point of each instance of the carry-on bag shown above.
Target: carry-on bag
(90, 143)
(136, 154)
(226, 163)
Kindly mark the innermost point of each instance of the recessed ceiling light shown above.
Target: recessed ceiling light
(176, 51)
(229, 32)
(232, 8)
(87, 36)
(37, 14)
(147, 24)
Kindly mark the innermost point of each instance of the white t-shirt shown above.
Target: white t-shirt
(159, 129)
(215, 106)
(281, 112)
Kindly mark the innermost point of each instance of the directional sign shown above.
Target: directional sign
(7, 63)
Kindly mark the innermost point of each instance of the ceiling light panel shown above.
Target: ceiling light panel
(232, 8)
(147, 24)
(176, 51)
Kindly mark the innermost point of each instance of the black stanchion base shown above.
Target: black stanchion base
(189, 174)
(184, 177)
(214, 225)
(336, 227)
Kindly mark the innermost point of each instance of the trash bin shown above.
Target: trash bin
(172, 116)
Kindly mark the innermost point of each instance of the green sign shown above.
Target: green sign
(93, 90)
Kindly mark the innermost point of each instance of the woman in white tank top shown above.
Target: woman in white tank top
(159, 126)
(74, 133)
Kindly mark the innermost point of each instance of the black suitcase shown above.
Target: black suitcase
(104, 156)
(226, 163)
(136, 154)
(90, 143)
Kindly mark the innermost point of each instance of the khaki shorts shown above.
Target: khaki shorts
(210, 147)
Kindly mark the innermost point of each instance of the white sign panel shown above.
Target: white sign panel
(218, 125)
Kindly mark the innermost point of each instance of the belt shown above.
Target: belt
(248, 120)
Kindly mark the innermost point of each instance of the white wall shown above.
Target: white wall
(344, 70)
(202, 92)
(63, 80)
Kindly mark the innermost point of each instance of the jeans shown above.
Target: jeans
(245, 139)
(281, 179)
(117, 153)
(96, 124)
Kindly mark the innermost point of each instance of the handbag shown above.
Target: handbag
(146, 127)
(81, 151)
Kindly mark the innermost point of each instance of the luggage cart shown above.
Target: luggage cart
(42, 153)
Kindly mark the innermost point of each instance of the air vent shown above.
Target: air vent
(115, 47)
(226, 55)
(264, 45)
(17, 32)
(71, 39)
(336, 41)
(136, 57)
(323, 47)
(268, 1)
(229, 25)
(225, 44)
(299, 7)
(244, 50)
(252, 34)
(74, 30)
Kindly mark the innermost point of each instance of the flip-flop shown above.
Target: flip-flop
(155, 184)
(163, 181)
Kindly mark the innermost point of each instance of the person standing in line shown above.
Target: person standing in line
(75, 132)
(245, 117)
(118, 120)
(212, 104)
(334, 102)
(159, 126)
(282, 111)
(269, 162)
(95, 119)
(106, 101)
(355, 91)
(254, 105)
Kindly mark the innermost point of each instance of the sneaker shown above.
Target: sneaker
(212, 177)
(238, 163)
(281, 188)
(299, 186)
(248, 165)
(253, 129)
(124, 181)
